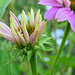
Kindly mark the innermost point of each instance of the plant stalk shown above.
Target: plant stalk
(60, 48)
(33, 64)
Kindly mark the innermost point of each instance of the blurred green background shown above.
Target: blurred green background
(66, 63)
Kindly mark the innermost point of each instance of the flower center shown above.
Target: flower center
(72, 1)
(30, 30)
(72, 4)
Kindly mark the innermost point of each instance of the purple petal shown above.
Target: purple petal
(71, 20)
(15, 19)
(13, 31)
(26, 35)
(60, 1)
(50, 14)
(4, 27)
(49, 2)
(67, 3)
(62, 14)
(33, 37)
(21, 38)
(7, 36)
(32, 15)
(41, 29)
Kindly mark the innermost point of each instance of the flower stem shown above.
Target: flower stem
(33, 64)
(61, 47)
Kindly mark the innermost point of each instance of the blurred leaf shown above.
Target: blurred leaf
(48, 49)
(68, 60)
(13, 59)
(9, 69)
(47, 43)
(24, 58)
(40, 55)
(69, 72)
(12, 48)
(72, 36)
(45, 39)
(42, 46)
(3, 5)
(62, 23)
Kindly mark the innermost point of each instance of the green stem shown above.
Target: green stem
(33, 64)
(61, 47)
(55, 35)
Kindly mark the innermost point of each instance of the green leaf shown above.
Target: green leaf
(68, 60)
(47, 43)
(9, 69)
(3, 5)
(46, 39)
(72, 36)
(13, 59)
(42, 46)
(12, 48)
(48, 49)
(24, 58)
(40, 55)
(44, 35)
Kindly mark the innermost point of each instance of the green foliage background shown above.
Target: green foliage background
(66, 63)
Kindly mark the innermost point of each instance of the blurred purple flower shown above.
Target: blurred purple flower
(56, 5)
(68, 14)
(26, 32)
(61, 10)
